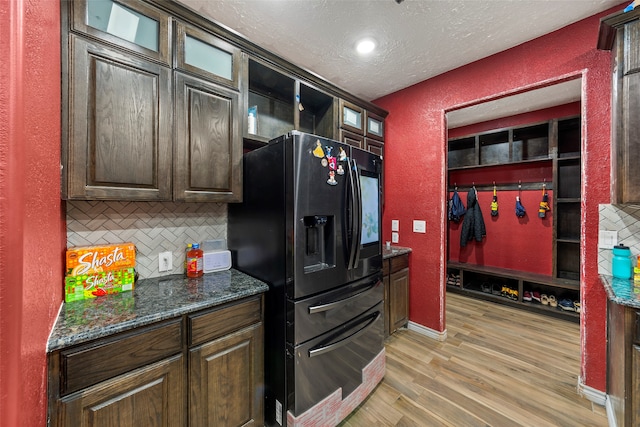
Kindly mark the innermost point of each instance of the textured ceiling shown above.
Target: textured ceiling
(416, 39)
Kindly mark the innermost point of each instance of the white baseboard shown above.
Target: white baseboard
(596, 396)
(431, 333)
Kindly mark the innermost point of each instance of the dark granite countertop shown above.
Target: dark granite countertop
(394, 251)
(151, 300)
(621, 291)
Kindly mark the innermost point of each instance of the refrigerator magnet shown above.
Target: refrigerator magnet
(328, 150)
(342, 155)
(332, 178)
(324, 162)
(340, 170)
(318, 150)
(333, 164)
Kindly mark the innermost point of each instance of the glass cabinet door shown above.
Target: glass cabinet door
(375, 126)
(203, 53)
(351, 117)
(131, 24)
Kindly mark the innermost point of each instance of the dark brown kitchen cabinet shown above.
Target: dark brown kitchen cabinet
(131, 379)
(396, 283)
(208, 144)
(226, 366)
(351, 138)
(621, 32)
(374, 128)
(200, 52)
(118, 140)
(201, 369)
(279, 102)
(148, 396)
(223, 379)
(373, 146)
(623, 363)
(361, 128)
(351, 117)
(136, 128)
(133, 25)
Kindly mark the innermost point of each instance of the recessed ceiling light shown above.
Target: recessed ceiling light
(365, 46)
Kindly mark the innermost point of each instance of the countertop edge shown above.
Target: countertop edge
(621, 291)
(395, 251)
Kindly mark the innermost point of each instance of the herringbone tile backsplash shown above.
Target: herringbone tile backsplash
(153, 227)
(626, 221)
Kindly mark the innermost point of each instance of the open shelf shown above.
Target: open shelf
(473, 278)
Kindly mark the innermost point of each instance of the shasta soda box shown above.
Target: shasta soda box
(97, 284)
(96, 259)
(93, 271)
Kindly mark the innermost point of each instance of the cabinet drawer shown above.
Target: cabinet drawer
(224, 320)
(399, 262)
(87, 365)
(636, 335)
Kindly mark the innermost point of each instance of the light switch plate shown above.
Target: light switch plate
(395, 225)
(607, 239)
(394, 237)
(419, 226)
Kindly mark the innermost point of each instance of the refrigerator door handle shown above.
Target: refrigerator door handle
(370, 320)
(358, 221)
(352, 226)
(333, 304)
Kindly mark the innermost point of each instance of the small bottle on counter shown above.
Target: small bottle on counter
(186, 256)
(195, 261)
(636, 273)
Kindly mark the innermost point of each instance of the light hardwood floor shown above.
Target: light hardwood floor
(499, 366)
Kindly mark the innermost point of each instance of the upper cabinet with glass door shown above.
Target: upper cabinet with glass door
(204, 54)
(351, 117)
(374, 126)
(131, 24)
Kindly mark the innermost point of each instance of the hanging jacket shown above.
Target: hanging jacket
(473, 224)
(456, 208)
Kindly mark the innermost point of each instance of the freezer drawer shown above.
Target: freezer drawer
(311, 317)
(334, 360)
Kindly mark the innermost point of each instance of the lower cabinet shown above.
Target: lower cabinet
(142, 397)
(623, 364)
(396, 284)
(201, 369)
(223, 377)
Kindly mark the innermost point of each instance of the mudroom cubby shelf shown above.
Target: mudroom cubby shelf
(487, 283)
(538, 253)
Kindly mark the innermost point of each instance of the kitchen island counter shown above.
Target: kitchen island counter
(152, 300)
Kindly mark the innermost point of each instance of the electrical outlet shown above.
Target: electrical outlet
(607, 239)
(165, 261)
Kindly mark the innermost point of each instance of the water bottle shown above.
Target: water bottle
(621, 263)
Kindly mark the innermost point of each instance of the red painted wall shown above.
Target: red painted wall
(415, 165)
(32, 227)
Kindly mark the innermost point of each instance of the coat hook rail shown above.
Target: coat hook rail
(524, 186)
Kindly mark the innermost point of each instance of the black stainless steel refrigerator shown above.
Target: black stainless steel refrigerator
(310, 226)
